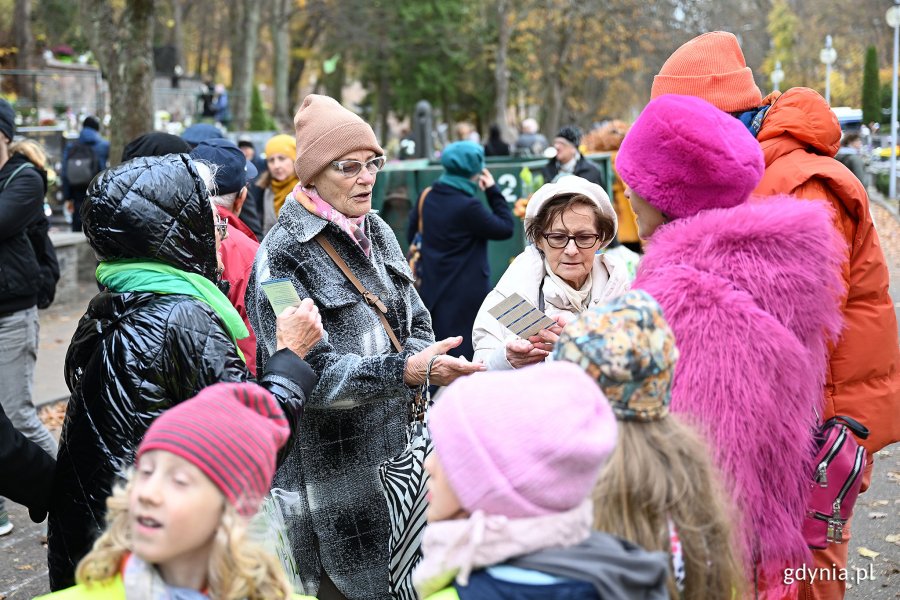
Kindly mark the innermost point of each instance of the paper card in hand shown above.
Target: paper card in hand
(281, 294)
(520, 316)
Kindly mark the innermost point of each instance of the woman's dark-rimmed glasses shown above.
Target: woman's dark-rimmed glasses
(561, 240)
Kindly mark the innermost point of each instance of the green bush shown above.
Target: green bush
(259, 117)
(871, 92)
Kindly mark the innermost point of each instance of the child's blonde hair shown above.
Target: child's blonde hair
(661, 470)
(32, 150)
(238, 568)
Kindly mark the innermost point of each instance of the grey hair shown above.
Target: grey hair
(207, 172)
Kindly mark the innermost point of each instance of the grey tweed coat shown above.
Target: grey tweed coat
(357, 414)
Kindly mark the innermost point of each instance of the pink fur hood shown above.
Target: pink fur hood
(752, 294)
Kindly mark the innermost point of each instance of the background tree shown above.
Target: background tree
(121, 39)
(871, 89)
(245, 33)
(24, 44)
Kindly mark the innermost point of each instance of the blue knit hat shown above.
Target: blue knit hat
(463, 158)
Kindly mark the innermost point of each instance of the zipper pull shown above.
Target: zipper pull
(821, 475)
(835, 524)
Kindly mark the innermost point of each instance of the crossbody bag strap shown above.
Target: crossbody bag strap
(24, 166)
(371, 299)
(421, 206)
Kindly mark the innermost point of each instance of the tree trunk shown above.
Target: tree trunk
(501, 73)
(178, 14)
(242, 61)
(25, 46)
(281, 39)
(123, 46)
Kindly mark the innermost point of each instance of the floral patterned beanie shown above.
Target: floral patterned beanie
(629, 349)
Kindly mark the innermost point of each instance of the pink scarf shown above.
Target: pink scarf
(352, 226)
(453, 549)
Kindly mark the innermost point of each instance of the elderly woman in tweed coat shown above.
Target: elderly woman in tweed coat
(357, 415)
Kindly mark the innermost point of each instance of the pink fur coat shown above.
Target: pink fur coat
(752, 294)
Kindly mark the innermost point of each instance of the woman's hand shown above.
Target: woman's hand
(485, 180)
(444, 370)
(522, 353)
(299, 328)
(546, 338)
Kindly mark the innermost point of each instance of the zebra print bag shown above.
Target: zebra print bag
(404, 482)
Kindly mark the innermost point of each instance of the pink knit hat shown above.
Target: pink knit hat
(684, 155)
(523, 443)
(231, 432)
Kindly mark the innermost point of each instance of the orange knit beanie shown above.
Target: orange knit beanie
(710, 66)
(325, 132)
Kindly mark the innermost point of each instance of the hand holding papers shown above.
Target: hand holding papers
(520, 316)
(281, 294)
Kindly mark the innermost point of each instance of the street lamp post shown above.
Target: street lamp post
(828, 55)
(777, 76)
(893, 19)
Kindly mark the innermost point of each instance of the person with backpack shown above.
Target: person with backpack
(81, 160)
(751, 289)
(799, 136)
(22, 189)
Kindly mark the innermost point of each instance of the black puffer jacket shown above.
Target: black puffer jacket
(135, 354)
(21, 210)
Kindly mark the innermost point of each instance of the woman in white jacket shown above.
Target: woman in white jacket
(560, 272)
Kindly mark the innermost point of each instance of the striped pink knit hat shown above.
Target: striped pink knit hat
(231, 432)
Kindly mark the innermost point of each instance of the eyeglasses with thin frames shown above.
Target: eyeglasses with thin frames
(222, 228)
(351, 168)
(561, 240)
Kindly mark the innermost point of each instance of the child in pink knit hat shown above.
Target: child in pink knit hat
(516, 455)
(177, 529)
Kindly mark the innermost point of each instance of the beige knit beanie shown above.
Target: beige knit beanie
(325, 132)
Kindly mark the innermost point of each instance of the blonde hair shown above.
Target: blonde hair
(238, 568)
(661, 470)
(32, 150)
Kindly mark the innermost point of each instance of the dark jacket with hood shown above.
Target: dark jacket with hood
(456, 274)
(135, 354)
(21, 216)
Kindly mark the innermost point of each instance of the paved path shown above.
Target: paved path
(23, 570)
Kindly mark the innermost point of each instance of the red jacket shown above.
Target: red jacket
(799, 137)
(238, 251)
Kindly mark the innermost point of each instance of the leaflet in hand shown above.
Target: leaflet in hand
(281, 294)
(520, 316)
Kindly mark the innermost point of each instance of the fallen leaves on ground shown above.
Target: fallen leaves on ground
(866, 553)
(53, 415)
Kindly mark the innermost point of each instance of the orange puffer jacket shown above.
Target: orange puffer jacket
(799, 137)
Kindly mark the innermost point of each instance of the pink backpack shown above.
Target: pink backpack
(839, 465)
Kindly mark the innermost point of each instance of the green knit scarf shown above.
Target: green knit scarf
(159, 278)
